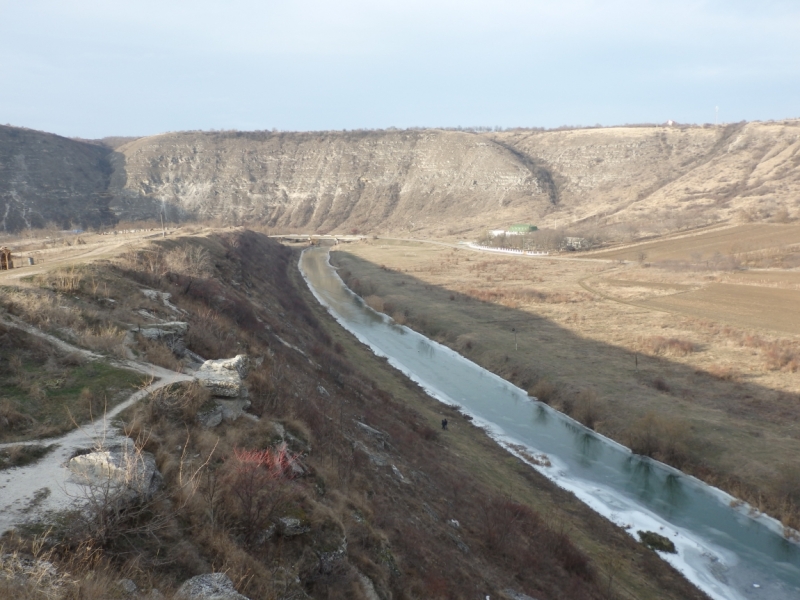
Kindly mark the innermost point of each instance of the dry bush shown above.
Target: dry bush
(544, 390)
(158, 353)
(465, 342)
(255, 487)
(104, 338)
(374, 302)
(660, 384)
(189, 259)
(723, 373)
(11, 419)
(781, 357)
(587, 408)
(180, 401)
(67, 279)
(660, 437)
(262, 391)
(210, 335)
(668, 346)
(32, 575)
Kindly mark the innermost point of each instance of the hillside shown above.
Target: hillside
(45, 178)
(374, 501)
(627, 181)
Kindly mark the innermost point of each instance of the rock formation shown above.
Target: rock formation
(401, 181)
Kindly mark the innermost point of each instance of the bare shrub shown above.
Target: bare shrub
(104, 338)
(660, 437)
(661, 385)
(668, 346)
(544, 390)
(781, 357)
(465, 342)
(255, 486)
(12, 419)
(262, 387)
(723, 373)
(117, 510)
(211, 335)
(587, 408)
(189, 259)
(374, 302)
(499, 520)
(67, 280)
(178, 401)
(160, 354)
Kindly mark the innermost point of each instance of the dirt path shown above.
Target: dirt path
(46, 486)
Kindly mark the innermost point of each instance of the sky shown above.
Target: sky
(96, 68)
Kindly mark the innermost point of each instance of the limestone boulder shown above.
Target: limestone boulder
(132, 472)
(169, 330)
(209, 586)
(224, 377)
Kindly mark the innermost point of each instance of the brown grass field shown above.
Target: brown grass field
(704, 361)
(752, 240)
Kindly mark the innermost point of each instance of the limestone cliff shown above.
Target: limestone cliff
(325, 181)
(427, 181)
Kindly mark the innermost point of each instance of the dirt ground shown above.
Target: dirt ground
(712, 354)
(701, 246)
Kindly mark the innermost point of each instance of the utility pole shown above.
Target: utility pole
(163, 229)
(514, 330)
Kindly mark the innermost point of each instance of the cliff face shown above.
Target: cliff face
(325, 181)
(431, 181)
(46, 179)
(631, 173)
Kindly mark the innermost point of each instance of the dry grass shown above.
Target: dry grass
(668, 346)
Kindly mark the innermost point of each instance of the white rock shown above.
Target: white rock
(127, 469)
(127, 586)
(210, 586)
(223, 377)
(290, 526)
(162, 330)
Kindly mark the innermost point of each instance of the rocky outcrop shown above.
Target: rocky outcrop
(223, 377)
(210, 586)
(132, 473)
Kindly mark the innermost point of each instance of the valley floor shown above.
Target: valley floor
(696, 367)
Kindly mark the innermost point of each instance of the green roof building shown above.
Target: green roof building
(522, 228)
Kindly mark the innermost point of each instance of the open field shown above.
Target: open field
(613, 345)
(748, 241)
(745, 306)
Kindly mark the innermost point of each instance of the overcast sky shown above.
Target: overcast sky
(93, 68)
